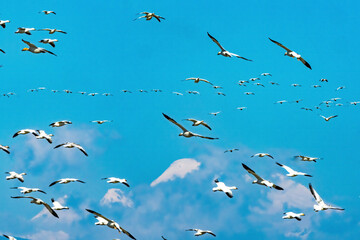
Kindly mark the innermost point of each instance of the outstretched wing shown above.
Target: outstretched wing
(279, 44)
(50, 209)
(127, 233)
(53, 183)
(315, 194)
(174, 122)
(305, 62)
(252, 172)
(99, 215)
(216, 41)
(28, 43)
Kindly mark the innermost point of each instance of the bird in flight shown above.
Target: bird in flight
(116, 180)
(149, 16)
(38, 201)
(3, 23)
(49, 41)
(34, 49)
(25, 190)
(197, 80)
(198, 122)
(72, 145)
(25, 30)
(65, 181)
(292, 215)
(220, 186)
(291, 172)
(328, 118)
(260, 180)
(321, 205)
(46, 12)
(262, 155)
(52, 30)
(307, 159)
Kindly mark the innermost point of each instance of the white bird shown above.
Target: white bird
(291, 53)
(197, 80)
(25, 30)
(5, 148)
(292, 215)
(116, 180)
(274, 83)
(335, 99)
(355, 103)
(149, 16)
(38, 201)
(25, 131)
(321, 205)
(47, 12)
(42, 135)
(25, 190)
(101, 121)
(3, 23)
(72, 145)
(220, 186)
(316, 86)
(34, 49)
(281, 102)
(110, 223)
(65, 181)
(193, 92)
(254, 79)
(249, 93)
(126, 91)
(266, 74)
(92, 94)
(49, 41)
(291, 172)
(241, 108)
(231, 150)
(177, 93)
(57, 205)
(323, 80)
(225, 53)
(260, 180)
(60, 123)
(340, 88)
(262, 155)
(307, 159)
(14, 175)
(199, 232)
(185, 132)
(198, 122)
(9, 237)
(221, 93)
(52, 30)
(67, 91)
(328, 118)
(217, 87)
(107, 94)
(215, 113)
(259, 84)
(295, 85)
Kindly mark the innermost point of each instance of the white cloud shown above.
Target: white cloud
(180, 168)
(115, 195)
(49, 235)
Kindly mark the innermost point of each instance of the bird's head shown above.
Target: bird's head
(25, 49)
(180, 134)
(253, 182)
(23, 174)
(51, 135)
(218, 53)
(302, 214)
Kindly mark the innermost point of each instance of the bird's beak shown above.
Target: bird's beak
(25, 49)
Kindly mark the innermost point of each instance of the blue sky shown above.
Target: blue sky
(105, 51)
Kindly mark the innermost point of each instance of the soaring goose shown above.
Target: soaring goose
(101, 121)
(259, 84)
(328, 118)
(25, 190)
(3, 23)
(316, 86)
(291, 172)
(185, 132)
(295, 85)
(177, 93)
(149, 16)
(274, 83)
(67, 91)
(47, 12)
(52, 31)
(197, 80)
(93, 94)
(110, 223)
(306, 109)
(25, 30)
(60, 123)
(217, 87)
(260, 180)
(42, 135)
(72, 145)
(5, 148)
(25, 131)
(14, 175)
(321, 205)
(307, 159)
(249, 93)
(215, 113)
(57, 205)
(281, 102)
(231, 150)
(225, 53)
(221, 93)
(323, 80)
(241, 108)
(291, 53)
(193, 92)
(340, 88)
(49, 41)
(38, 201)
(220, 186)
(254, 79)
(266, 74)
(198, 122)
(116, 180)
(262, 155)
(292, 215)
(199, 232)
(34, 49)
(65, 181)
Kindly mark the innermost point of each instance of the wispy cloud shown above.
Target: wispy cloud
(115, 195)
(49, 235)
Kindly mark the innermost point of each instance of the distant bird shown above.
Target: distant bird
(65, 181)
(185, 132)
(215, 113)
(25, 30)
(199, 232)
(38, 201)
(295, 85)
(3, 23)
(110, 223)
(316, 86)
(254, 79)
(57, 206)
(220, 93)
(141, 90)
(126, 91)
(34, 49)
(9, 237)
(328, 118)
(297, 101)
(2, 50)
(43, 135)
(193, 92)
(198, 122)
(274, 83)
(231, 150)
(107, 94)
(41, 88)
(47, 12)
(241, 108)
(72, 145)
(323, 80)
(52, 31)
(93, 94)
(217, 87)
(197, 80)
(14, 175)
(321, 205)
(306, 109)
(220, 186)
(60, 123)
(291, 53)
(223, 52)
(243, 81)
(340, 88)
(101, 121)
(281, 102)
(25, 190)
(260, 180)
(5, 148)
(292, 215)
(49, 41)
(266, 74)
(262, 155)
(177, 93)
(149, 16)
(307, 159)
(67, 91)
(259, 84)
(249, 93)
(335, 99)
(355, 103)
(25, 131)
(82, 93)
(32, 90)
(55, 91)
(156, 90)
(116, 180)
(291, 172)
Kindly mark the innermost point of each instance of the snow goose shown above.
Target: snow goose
(231, 150)
(177, 93)
(57, 205)
(306, 109)
(38, 201)
(328, 118)
(274, 83)
(307, 159)
(193, 92)
(101, 121)
(249, 93)
(34, 49)
(215, 113)
(156, 90)
(25, 131)
(49, 41)
(354, 103)
(126, 91)
(254, 79)
(259, 84)
(223, 52)
(262, 155)
(60, 123)
(3, 23)
(42, 135)
(25, 190)
(67, 91)
(52, 31)
(280, 102)
(14, 175)
(9, 237)
(198, 122)
(340, 88)
(65, 181)
(291, 53)
(93, 94)
(107, 94)
(116, 180)
(260, 180)
(25, 30)
(220, 186)
(197, 80)
(221, 93)
(292, 215)
(199, 232)
(110, 223)
(46, 12)
(266, 74)
(323, 80)
(321, 205)
(5, 148)
(217, 87)
(241, 108)
(291, 172)
(72, 145)
(185, 132)
(295, 85)
(316, 86)
(149, 16)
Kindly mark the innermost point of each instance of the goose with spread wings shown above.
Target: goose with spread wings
(25, 190)
(149, 16)
(185, 132)
(116, 180)
(220, 186)
(38, 201)
(291, 172)
(260, 180)
(224, 52)
(9, 237)
(15, 175)
(65, 181)
(199, 232)
(52, 30)
(291, 53)
(197, 80)
(72, 145)
(321, 205)
(34, 49)
(198, 122)
(5, 148)
(110, 223)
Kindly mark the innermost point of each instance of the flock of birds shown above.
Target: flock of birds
(220, 186)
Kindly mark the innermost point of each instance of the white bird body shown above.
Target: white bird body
(57, 205)
(199, 232)
(148, 16)
(292, 215)
(321, 205)
(3, 23)
(101, 121)
(49, 41)
(60, 123)
(259, 180)
(291, 172)
(25, 131)
(116, 180)
(48, 12)
(328, 118)
(52, 30)
(25, 190)
(307, 159)
(25, 30)
(198, 122)
(43, 135)
(266, 74)
(220, 186)
(65, 181)
(14, 175)
(38, 201)
(262, 155)
(72, 145)
(177, 93)
(197, 80)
